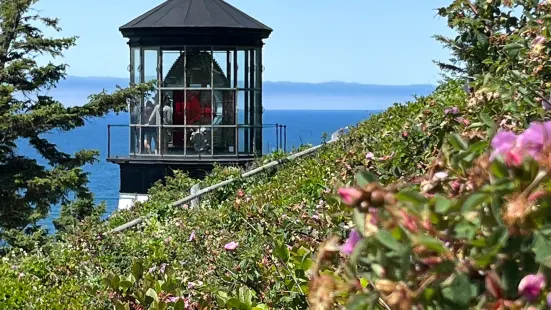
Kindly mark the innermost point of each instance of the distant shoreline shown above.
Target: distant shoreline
(325, 88)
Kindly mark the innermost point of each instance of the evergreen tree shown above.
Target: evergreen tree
(27, 188)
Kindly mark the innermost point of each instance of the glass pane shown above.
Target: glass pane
(258, 69)
(258, 107)
(224, 107)
(173, 63)
(223, 69)
(199, 141)
(135, 119)
(251, 69)
(150, 65)
(258, 122)
(224, 141)
(198, 70)
(251, 107)
(242, 118)
(150, 117)
(135, 66)
(241, 70)
(243, 140)
(198, 108)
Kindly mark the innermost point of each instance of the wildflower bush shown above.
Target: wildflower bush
(473, 233)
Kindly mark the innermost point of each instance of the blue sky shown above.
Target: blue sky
(362, 41)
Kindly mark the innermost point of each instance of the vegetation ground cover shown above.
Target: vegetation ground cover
(438, 203)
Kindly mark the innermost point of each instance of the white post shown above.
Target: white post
(194, 190)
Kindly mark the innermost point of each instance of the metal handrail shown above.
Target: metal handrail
(281, 135)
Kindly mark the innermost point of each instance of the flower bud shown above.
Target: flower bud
(531, 285)
(377, 198)
(351, 196)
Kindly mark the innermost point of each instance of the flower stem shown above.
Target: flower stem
(537, 180)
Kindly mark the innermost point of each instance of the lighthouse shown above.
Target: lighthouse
(205, 57)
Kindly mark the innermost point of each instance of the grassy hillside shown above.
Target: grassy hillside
(278, 219)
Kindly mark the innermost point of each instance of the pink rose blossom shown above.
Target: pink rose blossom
(453, 110)
(350, 195)
(350, 243)
(531, 285)
(514, 148)
(231, 246)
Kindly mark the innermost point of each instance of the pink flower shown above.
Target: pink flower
(455, 185)
(533, 139)
(531, 285)
(350, 243)
(514, 148)
(231, 246)
(350, 195)
(453, 110)
(538, 40)
(192, 236)
(240, 193)
(369, 155)
(548, 300)
(503, 142)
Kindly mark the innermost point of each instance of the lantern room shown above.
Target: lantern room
(205, 57)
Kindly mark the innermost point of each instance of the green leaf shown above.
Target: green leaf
(457, 142)
(359, 220)
(235, 303)
(363, 178)
(282, 252)
(459, 292)
(386, 239)
(430, 243)
(151, 293)
(261, 307)
(137, 269)
(541, 247)
(498, 169)
(442, 204)
(180, 305)
(474, 201)
(222, 298)
(411, 196)
(512, 49)
(120, 306)
(245, 296)
(126, 284)
(363, 301)
(465, 230)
